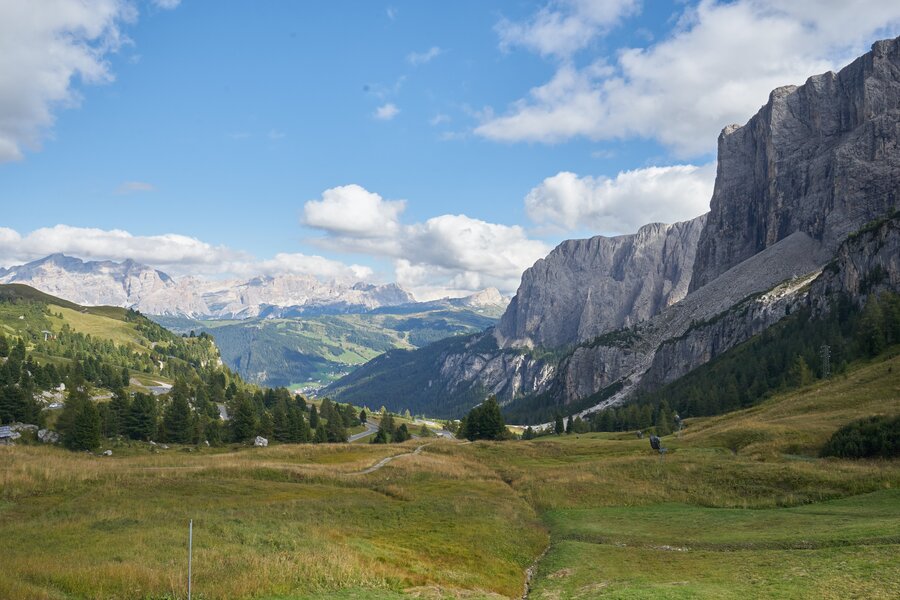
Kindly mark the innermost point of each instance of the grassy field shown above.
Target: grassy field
(740, 507)
(99, 326)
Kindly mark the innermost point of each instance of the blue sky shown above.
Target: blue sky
(442, 145)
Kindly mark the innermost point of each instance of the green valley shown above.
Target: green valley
(307, 352)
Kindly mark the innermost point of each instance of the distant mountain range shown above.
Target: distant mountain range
(132, 285)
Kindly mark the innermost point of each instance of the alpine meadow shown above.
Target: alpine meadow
(558, 299)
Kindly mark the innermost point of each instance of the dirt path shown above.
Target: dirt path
(385, 461)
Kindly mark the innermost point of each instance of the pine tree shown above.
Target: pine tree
(402, 434)
(281, 425)
(313, 417)
(140, 422)
(362, 416)
(559, 428)
(177, 422)
(79, 424)
(243, 421)
(569, 425)
(118, 412)
(485, 422)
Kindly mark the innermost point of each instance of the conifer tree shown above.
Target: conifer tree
(140, 422)
(177, 422)
(243, 421)
(402, 434)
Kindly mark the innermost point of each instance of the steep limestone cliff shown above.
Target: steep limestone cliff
(585, 288)
(822, 158)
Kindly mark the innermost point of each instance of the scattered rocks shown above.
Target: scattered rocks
(23, 427)
(107, 453)
(48, 436)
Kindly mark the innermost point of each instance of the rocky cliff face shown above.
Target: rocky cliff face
(585, 288)
(822, 158)
(866, 264)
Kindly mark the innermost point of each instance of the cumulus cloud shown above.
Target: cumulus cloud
(353, 210)
(447, 254)
(305, 264)
(131, 187)
(564, 27)
(386, 112)
(421, 58)
(174, 253)
(44, 48)
(166, 250)
(621, 204)
(716, 67)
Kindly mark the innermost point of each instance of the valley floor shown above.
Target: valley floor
(739, 507)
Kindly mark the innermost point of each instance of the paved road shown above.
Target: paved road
(370, 429)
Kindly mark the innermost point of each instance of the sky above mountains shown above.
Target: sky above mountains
(445, 146)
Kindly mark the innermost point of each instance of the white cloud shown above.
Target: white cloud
(44, 47)
(353, 210)
(386, 112)
(173, 253)
(392, 12)
(130, 187)
(438, 119)
(305, 264)
(717, 67)
(167, 4)
(564, 27)
(421, 58)
(166, 250)
(624, 203)
(447, 254)
(275, 134)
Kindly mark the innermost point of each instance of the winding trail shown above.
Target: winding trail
(388, 459)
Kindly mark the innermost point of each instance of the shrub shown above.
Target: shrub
(875, 437)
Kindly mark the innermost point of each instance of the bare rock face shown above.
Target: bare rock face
(585, 288)
(867, 264)
(822, 158)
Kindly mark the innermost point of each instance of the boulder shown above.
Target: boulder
(47, 436)
(260, 441)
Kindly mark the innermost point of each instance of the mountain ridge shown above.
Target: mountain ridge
(130, 284)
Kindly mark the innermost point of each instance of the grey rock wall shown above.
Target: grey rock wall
(585, 288)
(822, 158)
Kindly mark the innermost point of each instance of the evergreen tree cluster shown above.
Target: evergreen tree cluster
(18, 385)
(785, 356)
(875, 437)
(484, 422)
